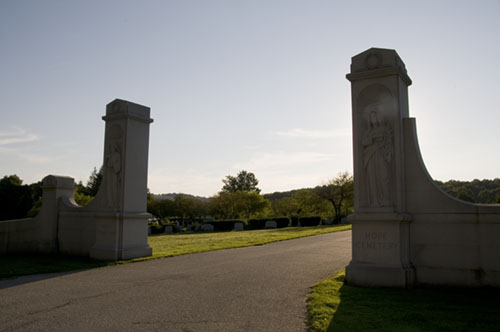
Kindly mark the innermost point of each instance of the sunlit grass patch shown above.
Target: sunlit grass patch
(335, 306)
(179, 244)
(163, 246)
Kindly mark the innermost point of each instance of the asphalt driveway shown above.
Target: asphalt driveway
(261, 288)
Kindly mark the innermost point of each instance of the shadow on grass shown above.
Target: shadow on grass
(423, 309)
(29, 264)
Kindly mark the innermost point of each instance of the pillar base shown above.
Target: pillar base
(380, 276)
(121, 236)
(111, 254)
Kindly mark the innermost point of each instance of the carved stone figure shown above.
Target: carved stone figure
(113, 179)
(377, 152)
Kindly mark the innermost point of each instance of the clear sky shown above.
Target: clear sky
(256, 85)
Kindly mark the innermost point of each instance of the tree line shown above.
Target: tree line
(475, 191)
(18, 200)
(239, 198)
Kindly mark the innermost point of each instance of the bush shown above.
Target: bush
(295, 221)
(261, 222)
(157, 229)
(257, 223)
(310, 221)
(281, 222)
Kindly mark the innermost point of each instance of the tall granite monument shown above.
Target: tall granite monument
(114, 225)
(406, 230)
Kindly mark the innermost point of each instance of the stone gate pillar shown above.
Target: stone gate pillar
(380, 235)
(121, 215)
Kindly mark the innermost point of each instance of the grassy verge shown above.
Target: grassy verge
(180, 244)
(163, 246)
(335, 306)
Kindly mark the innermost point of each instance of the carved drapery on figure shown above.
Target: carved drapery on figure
(376, 145)
(377, 153)
(113, 166)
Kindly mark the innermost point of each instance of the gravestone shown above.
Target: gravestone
(271, 224)
(207, 227)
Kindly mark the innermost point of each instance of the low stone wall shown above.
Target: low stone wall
(18, 236)
(452, 242)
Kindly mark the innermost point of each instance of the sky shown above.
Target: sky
(256, 85)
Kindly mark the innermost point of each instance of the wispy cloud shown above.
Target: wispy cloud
(13, 135)
(31, 157)
(16, 135)
(266, 160)
(312, 134)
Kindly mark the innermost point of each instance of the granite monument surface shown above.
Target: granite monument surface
(406, 230)
(114, 225)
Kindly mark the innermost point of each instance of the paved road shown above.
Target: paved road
(252, 289)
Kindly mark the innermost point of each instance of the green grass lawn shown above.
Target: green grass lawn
(180, 244)
(335, 306)
(163, 246)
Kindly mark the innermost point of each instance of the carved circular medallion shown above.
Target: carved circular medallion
(373, 60)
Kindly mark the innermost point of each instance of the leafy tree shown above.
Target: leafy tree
(478, 191)
(16, 199)
(161, 208)
(82, 199)
(239, 204)
(338, 192)
(94, 181)
(85, 194)
(11, 180)
(286, 206)
(36, 194)
(302, 202)
(182, 206)
(310, 203)
(244, 181)
(187, 207)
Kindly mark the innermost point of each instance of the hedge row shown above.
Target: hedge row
(309, 221)
(228, 225)
(260, 223)
(223, 225)
(257, 223)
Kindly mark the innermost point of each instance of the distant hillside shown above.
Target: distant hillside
(476, 191)
(272, 196)
(281, 194)
(172, 196)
